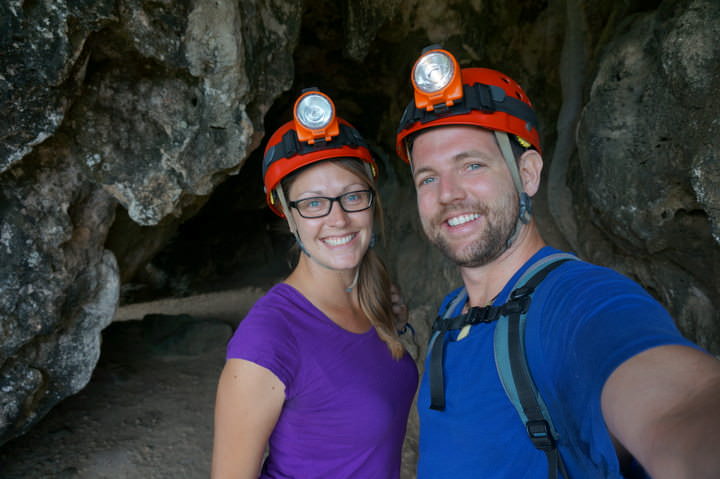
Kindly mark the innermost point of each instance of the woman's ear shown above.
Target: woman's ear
(530, 166)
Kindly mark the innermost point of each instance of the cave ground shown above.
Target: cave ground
(147, 411)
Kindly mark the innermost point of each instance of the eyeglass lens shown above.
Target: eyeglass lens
(319, 206)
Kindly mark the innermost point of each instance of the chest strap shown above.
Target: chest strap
(475, 315)
(517, 305)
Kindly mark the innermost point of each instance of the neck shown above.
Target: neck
(326, 289)
(485, 282)
(322, 284)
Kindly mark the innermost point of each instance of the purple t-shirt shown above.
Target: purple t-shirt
(346, 398)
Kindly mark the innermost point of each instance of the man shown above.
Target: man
(620, 382)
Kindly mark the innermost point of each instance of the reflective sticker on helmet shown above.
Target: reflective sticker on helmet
(523, 142)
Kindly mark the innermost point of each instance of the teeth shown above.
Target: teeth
(461, 220)
(339, 241)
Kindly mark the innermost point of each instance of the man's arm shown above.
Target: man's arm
(663, 405)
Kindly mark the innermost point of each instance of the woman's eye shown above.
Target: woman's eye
(313, 203)
(352, 197)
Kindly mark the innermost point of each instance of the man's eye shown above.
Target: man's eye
(474, 166)
(427, 181)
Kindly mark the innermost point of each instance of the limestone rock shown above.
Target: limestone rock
(58, 286)
(648, 168)
(143, 104)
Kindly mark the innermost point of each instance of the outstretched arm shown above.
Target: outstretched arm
(247, 407)
(663, 405)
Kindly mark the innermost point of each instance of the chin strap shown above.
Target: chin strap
(291, 222)
(525, 207)
(354, 281)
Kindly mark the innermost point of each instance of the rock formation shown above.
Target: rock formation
(144, 106)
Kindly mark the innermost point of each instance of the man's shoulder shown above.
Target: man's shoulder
(583, 274)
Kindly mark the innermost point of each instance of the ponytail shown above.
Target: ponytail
(375, 301)
(374, 280)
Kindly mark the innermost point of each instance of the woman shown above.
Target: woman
(316, 370)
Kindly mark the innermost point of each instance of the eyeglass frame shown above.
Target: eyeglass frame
(371, 202)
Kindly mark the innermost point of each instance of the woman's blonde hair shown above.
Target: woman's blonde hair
(373, 285)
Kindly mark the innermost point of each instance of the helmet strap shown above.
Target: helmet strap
(525, 207)
(350, 287)
(406, 144)
(291, 221)
(506, 149)
(369, 170)
(286, 209)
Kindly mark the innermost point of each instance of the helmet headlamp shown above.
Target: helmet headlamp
(315, 119)
(436, 79)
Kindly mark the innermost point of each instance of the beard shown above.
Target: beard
(500, 219)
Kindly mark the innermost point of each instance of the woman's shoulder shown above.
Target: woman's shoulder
(268, 324)
(280, 298)
(277, 310)
(279, 295)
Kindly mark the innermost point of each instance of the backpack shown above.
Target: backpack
(510, 356)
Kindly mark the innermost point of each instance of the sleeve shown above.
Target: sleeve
(598, 319)
(609, 319)
(264, 337)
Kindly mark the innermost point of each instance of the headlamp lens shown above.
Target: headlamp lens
(433, 72)
(314, 111)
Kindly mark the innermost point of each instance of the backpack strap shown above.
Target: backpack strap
(512, 366)
(436, 348)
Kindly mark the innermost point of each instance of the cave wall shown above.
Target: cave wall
(142, 106)
(121, 118)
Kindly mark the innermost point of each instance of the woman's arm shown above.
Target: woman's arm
(247, 407)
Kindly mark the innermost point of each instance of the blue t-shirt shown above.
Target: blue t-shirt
(346, 398)
(584, 321)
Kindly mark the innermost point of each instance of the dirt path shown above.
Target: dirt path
(147, 411)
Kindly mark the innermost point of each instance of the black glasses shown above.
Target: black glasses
(319, 206)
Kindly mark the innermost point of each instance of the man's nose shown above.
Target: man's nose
(450, 189)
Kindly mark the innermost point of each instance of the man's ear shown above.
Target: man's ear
(530, 165)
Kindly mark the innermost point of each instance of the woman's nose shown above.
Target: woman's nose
(337, 215)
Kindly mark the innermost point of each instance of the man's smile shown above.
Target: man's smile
(462, 219)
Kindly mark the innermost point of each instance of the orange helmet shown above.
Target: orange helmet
(314, 134)
(446, 95)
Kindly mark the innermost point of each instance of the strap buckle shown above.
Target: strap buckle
(487, 314)
(540, 434)
(519, 305)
